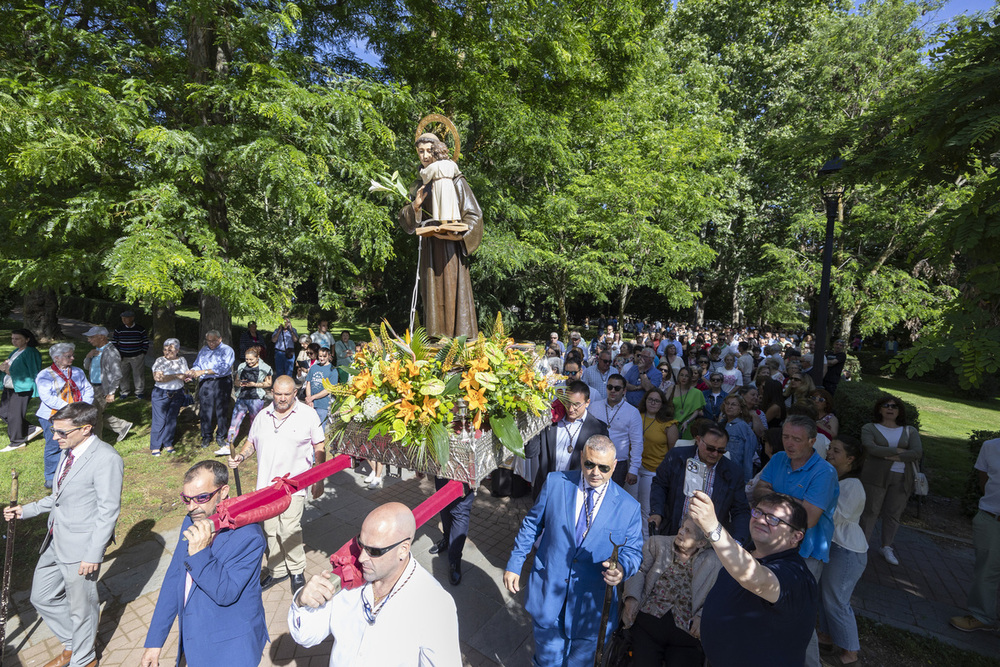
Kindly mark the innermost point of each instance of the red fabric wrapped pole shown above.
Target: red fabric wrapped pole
(271, 501)
(345, 562)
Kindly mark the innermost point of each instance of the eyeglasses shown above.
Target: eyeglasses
(63, 434)
(770, 519)
(715, 450)
(794, 379)
(572, 372)
(819, 399)
(590, 465)
(604, 360)
(615, 387)
(889, 406)
(201, 498)
(378, 552)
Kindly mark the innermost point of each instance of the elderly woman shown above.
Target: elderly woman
(59, 385)
(893, 450)
(742, 440)
(18, 377)
(170, 372)
(663, 601)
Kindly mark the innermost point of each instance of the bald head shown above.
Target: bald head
(392, 520)
(283, 391)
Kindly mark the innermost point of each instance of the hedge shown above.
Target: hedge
(970, 499)
(854, 402)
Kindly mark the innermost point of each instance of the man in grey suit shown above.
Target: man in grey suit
(83, 510)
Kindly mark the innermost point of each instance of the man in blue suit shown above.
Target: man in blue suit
(578, 510)
(724, 484)
(212, 584)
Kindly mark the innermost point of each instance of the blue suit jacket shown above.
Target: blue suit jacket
(565, 574)
(666, 495)
(223, 620)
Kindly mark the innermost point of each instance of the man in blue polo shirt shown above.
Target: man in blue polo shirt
(316, 396)
(766, 600)
(802, 474)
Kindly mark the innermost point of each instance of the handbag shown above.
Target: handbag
(920, 485)
(618, 649)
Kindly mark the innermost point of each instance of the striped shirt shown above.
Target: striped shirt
(131, 341)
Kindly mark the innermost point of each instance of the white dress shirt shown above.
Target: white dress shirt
(624, 428)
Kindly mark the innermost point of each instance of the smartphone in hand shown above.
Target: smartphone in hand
(695, 474)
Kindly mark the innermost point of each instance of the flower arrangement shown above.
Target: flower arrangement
(407, 389)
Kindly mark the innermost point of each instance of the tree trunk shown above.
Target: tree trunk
(846, 322)
(736, 316)
(41, 308)
(164, 325)
(623, 298)
(563, 316)
(214, 315)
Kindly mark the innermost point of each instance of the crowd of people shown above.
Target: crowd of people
(702, 469)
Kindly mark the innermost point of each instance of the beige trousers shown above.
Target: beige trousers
(286, 554)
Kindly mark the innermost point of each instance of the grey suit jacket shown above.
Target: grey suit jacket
(84, 509)
(111, 369)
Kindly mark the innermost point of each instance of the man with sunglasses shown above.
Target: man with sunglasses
(767, 599)
(83, 509)
(559, 445)
(580, 516)
(668, 504)
(625, 430)
(212, 585)
(596, 376)
(400, 616)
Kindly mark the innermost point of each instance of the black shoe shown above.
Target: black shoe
(455, 574)
(298, 581)
(266, 581)
(439, 547)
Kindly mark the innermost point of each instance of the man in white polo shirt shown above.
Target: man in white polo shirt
(288, 439)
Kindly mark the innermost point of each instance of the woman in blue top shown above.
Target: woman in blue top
(18, 377)
(742, 442)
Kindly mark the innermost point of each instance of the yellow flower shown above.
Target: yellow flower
(527, 377)
(392, 373)
(430, 404)
(362, 384)
(406, 412)
(405, 390)
(480, 364)
(477, 399)
(469, 381)
(412, 368)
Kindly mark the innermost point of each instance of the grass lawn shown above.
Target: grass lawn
(945, 425)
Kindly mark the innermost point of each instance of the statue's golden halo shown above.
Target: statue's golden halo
(448, 125)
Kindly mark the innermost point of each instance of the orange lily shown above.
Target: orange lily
(431, 404)
(469, 381)
(412, 368)
(407, 411)
(477, 399)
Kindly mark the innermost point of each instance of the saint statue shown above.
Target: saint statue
(443, 270)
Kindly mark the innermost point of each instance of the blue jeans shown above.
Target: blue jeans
(282, 364)
(243, 407)
(840, 575)
(52, 451)
(166, 404)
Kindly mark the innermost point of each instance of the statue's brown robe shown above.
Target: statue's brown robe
(445, 285)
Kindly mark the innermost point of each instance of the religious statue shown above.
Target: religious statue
(446, 243)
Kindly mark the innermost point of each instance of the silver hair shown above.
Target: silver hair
(172, 341)
(802, 421)
(60, 350)
(214, 333)
(600, 444)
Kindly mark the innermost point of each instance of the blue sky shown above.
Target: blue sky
(956, 7)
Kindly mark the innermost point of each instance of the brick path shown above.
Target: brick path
(920, 595)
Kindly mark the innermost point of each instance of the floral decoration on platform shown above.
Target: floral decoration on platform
(408, 389)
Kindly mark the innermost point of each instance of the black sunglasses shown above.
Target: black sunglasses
(715, 450)
(615, 387)
(891, 406)
(590, 465)
(376, 552)
(201, 498)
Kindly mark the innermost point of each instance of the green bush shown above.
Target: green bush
(854, 403)
(970, 499)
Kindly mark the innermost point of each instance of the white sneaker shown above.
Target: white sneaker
(222, 451)
(375, 483)
(889, 555)
(11, 448)
(370, 478)
(34, 433)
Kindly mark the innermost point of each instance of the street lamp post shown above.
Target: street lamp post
(832, 196)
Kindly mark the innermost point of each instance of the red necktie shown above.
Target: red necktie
(66, 467)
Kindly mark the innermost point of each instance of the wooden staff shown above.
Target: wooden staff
(7, 562)
(608, 595)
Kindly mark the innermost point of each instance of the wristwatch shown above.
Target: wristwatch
(716, 534)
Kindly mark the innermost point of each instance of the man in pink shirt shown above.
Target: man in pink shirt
(288, 439)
